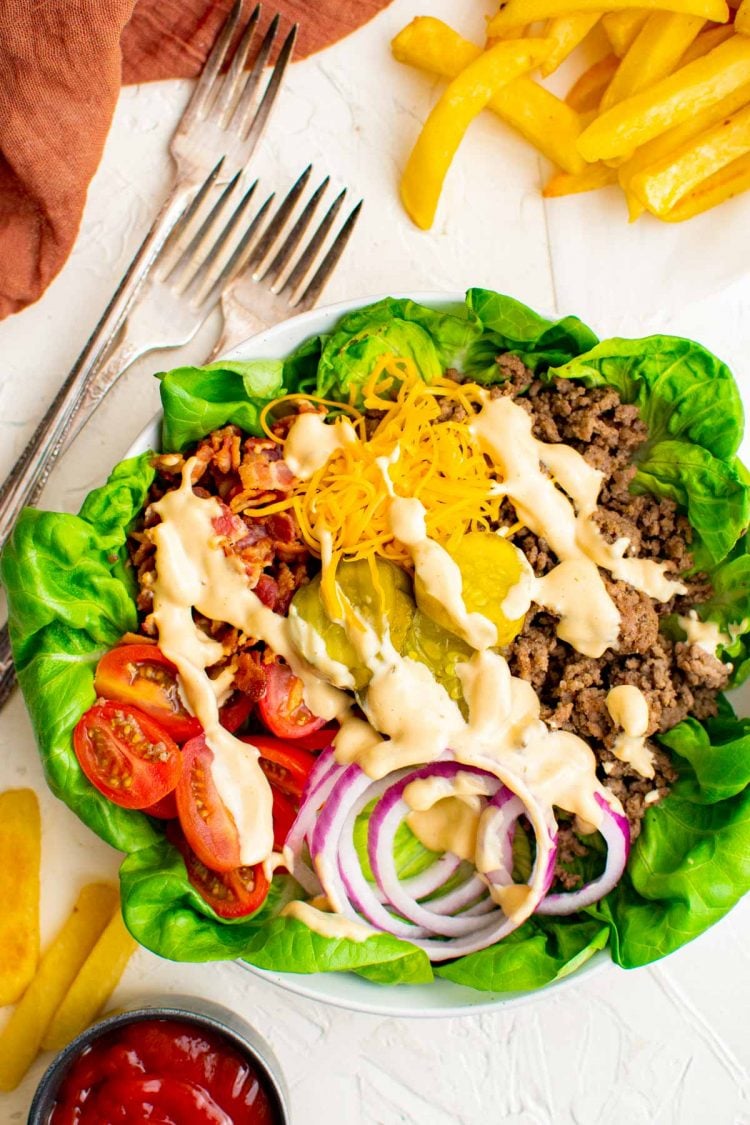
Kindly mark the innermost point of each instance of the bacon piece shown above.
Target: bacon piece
(250, 677)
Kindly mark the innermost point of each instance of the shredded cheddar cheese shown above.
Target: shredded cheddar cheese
(345, 502)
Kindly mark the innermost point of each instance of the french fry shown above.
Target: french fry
(720, 187)
(22, 1035)
(622, 27)
(594, 177)
(95, 983)
(668, 143)
(655, 52)
(742, 18)
(706, 42)
(565, 33)
(692, 88)
(586, 93)
(20, 855)
(515, 12)
(543, 119)
(462, 100)
(661, 186)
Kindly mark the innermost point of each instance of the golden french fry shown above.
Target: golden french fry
(565, 33)
(22, 1035)
(668, 143)
(515, 12)
(692, 88)
(587, 91)
(661, 186)
(20, 855)
(622, 27)
(543, 119)
(720, 187)
(594, 177)
(706, 42)
(462, 100)
(655, 52)
(742, 18)
(95, 983)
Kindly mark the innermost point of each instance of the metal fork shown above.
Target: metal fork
(219, 129)
(270, 271)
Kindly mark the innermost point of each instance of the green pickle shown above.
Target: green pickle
(490, 567)
(423, 631)
(441, 650)
(390, 608)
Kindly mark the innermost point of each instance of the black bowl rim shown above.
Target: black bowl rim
(194, 1010)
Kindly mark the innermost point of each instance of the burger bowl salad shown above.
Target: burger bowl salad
(407, 654)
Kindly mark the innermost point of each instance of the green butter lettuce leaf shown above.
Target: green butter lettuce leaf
(197, 400)
(509, 326)
(70, 600)
(691, 863)
(538, 952)
(729, 607)
(435, 339)
(168, 916)
(681, 389)
(712, 492)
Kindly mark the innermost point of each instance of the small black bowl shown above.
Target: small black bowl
(191, 1010)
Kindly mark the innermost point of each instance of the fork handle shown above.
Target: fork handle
(30, 472)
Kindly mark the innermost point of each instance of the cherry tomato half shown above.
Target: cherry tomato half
(165, 809)
(142, 675)
(284, 816)
(282, 708)
(231, 894)
(126, 755)
(236, 712)
(206, 821)
(285, 765)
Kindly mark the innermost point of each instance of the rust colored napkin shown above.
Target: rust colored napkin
(61, 66)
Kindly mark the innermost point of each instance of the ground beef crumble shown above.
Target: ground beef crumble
(677, 679)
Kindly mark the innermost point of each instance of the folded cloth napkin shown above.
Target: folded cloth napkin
(61, 66)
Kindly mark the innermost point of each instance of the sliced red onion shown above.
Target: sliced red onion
(384, 822)
(320, 783)
(616, 832)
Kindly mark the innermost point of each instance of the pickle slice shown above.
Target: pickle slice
(490, 567)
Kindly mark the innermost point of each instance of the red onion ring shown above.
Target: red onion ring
(616, 832)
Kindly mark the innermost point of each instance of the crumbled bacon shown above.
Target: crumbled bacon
(250, 677)
(243, 473)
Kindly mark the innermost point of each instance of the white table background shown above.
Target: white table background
(668, 1044)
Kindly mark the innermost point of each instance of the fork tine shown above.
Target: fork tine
(233, 83)
(207, 79)
(292, 240)
(260, 120)
(194, 252)
(278, 222)
(329, 263)
(183, 223)
(309, 254)
(212, 281)
(243, 108)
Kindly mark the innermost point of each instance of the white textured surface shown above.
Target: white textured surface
(663, 1045)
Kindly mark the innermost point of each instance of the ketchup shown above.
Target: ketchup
(165, 1072)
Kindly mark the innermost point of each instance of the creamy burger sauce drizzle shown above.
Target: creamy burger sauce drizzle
(410, 718)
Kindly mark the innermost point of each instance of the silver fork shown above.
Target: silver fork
(270, 271)
(219, 129)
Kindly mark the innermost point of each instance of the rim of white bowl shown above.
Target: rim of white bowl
(440, 998)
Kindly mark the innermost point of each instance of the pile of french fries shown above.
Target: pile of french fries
(58, 996)
(664, 113)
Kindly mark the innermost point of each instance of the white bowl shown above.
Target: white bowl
(346, 990)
